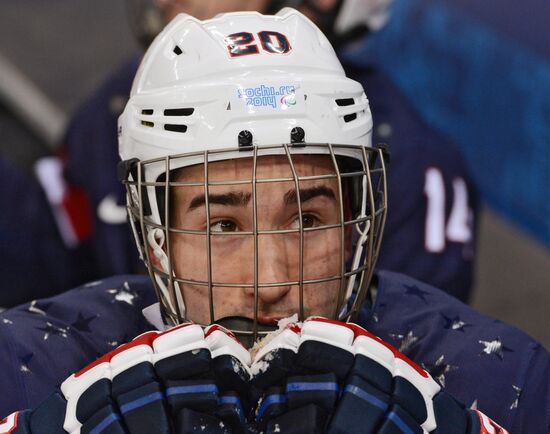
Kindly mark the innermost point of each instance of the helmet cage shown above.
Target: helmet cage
(361, 179)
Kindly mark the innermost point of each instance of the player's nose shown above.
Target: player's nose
(274, 268)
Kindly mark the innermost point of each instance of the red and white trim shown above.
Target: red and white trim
(9, 423)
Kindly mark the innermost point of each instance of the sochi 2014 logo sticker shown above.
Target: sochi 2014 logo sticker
(283, 96)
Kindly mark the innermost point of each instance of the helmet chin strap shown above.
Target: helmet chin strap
(156, 238)
(355, 263)
(363, 237)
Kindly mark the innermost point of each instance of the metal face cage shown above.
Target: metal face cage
(207, 224)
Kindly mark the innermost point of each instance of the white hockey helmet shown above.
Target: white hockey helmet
(246, 85)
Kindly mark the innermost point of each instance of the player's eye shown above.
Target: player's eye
(308, 221)
(223, 226)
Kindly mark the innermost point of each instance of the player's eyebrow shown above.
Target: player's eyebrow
(229, 199)
(242, 199)
(308, 194)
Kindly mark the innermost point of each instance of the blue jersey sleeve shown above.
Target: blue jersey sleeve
(481, 361)
(44, 341)
(530, 408)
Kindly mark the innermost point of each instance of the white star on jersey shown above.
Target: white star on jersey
(123, 294)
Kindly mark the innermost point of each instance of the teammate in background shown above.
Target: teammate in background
(431, 219)
(90, 143)
(30, 240)
(254, 195)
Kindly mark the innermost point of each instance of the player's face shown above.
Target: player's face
(232, 259)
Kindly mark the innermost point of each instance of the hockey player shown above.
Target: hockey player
(254, 193)
(28, 232)
(431, 223)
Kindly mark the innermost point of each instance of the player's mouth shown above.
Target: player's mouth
(269, 320)
(265, 324)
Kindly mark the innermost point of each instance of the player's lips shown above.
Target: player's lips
(269, 320)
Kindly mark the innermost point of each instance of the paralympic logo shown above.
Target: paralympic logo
(268, 96)
(288, 100)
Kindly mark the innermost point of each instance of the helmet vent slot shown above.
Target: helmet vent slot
(175, 128)
(179, 112)
(342, 102)
(147, 112)
(350, 117)
(148, 124)
(177, 50)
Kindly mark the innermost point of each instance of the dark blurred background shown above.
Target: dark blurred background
(480, 72)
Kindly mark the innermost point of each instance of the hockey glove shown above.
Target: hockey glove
(328, 376)
(179, 381)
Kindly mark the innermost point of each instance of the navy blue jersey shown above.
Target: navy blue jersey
(90, 157)
(481, 361)
(36, 262)
(431, 202)
(44, 341)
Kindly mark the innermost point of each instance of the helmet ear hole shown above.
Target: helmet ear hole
(127, 172)
(160, 192)
(352, 186)
(355, 195)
